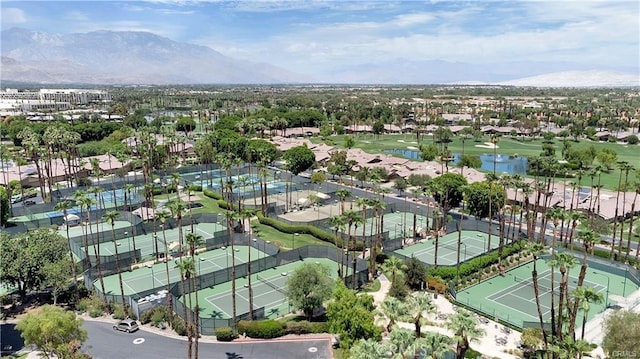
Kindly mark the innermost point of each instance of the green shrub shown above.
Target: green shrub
(477, 264)
(195, 187)
(95, 312)
(118, 312)
(305, 229)
(211, 194)
(84, 304)
(302, 327)
(160, 313)
(225, 334)
(319, 327)
(224, 205)
(178, 325)
(264, 329)
(472, 354)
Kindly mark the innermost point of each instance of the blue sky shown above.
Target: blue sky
(315, 36)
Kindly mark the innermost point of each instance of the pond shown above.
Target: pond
(504, 163)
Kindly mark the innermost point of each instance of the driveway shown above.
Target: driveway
(105, 343)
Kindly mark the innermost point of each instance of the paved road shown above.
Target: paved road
(105, 343)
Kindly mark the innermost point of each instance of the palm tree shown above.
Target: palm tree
(343, 194)
(338, 223)
(490, 178)
(565, 262)
(394, 266)
(588, 238)
(554, 214)
(436, 242)
(187, 269)
(353, 219)
(162, 217)
(436, 345)
(363, 203)
(177, 208)
(193, 241)
(465, 329)
(416, 306)
(231, 217)
(249, 213)
(128, 187)
(586, 296)
(111, 217)
(636, 186)
(536, 249)
(378, 207)
(87, 202)
(403, 342)
(79, 197)
(393, 309)
(575, 217)
(64, 208)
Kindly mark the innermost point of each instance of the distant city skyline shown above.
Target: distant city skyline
(316, 37)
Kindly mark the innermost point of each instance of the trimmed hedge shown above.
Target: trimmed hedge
(218, 197)
(225, 334)
(476, 264)
(211, 194)
(263, 329)
(224, 205)
(305, 327)
(605, 253)
(305, 229)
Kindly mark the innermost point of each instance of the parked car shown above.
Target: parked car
(126, 325)
(31, 195)
(29, 203)
(16, 198)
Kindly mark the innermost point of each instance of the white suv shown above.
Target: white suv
(126, 325)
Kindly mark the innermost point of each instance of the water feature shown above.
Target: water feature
(504, 163)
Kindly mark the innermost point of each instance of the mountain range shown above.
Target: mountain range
(127, 57)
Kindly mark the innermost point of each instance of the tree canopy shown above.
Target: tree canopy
(622, 334)
(478, 195)
(24, 257)
(309, 286)
(447, 189)
(54, 330)
(299, 159)
(351, 316)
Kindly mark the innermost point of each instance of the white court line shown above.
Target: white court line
(511, 308)
(128, 286)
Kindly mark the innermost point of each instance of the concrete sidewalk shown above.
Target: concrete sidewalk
(486, 345)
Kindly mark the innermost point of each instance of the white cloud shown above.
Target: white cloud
(13, 16)
(602, 34)
(413, 19)
(76, 16)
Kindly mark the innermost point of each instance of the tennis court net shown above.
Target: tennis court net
(529, 282)
(270, 284)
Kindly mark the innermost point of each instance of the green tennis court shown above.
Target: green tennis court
(268, 292)
(102, 227)
(145, 242)
(473, 243)
(400, 224)
(512, 298)
(155, 276)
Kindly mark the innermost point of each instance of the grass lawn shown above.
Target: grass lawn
(210, 205)
(284, 240)
(506, 146)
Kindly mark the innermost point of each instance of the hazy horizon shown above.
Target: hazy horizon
(320, 38)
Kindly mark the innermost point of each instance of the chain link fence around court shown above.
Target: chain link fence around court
(489, 311)
(208, 325)
(139, 228)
